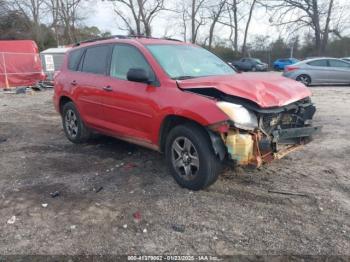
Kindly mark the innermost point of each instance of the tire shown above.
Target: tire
(190, 157)
(73, 126)
(253, 69)
(305, 79)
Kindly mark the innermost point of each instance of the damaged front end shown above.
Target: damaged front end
(254, 136)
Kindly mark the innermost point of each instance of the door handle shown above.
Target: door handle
(108, 88)
(73, 83)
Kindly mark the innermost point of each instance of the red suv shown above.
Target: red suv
(182, 100)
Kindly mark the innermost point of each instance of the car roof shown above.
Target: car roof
(306, 61)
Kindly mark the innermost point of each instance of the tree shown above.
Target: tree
(315, 15)
(196, 18)
(14, 25)
(192, 13)
(3, 7)
(250, 14)
(215, 13)
(139, 15)
(233, 22)
(239, 16)
(53, 9)
(32, 10)
(86, 32)
(69, 16)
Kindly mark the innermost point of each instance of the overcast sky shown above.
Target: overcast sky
(101, 14)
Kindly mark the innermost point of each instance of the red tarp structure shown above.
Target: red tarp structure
(20, 63)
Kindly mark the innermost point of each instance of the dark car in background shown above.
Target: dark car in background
(250, 64)
(281, 63)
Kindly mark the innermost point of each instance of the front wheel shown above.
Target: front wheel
(190, 157)
(305, 79)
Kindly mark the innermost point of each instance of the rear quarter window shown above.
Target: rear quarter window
(337, 63)
(74, 59)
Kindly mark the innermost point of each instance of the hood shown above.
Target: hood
(266, 90)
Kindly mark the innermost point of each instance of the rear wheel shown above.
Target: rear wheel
(305, 79)
(254, 69)
(190, 157)
(73, 126)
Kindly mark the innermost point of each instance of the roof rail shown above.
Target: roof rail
(100, 39)
(151, 37)
(121, 37)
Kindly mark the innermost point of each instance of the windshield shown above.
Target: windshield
(258, 61)
(185, 61)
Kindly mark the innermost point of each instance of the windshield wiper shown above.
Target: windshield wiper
(183, 77)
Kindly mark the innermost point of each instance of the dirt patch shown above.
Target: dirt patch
(237, 215)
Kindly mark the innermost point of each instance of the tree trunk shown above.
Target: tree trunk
(326, 29)
(316, 22)
(235, 21)
(193, 22)
(244, 47)
(215, 20)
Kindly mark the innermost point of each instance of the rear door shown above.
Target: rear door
(90, 83)
(129, 107)
(339, 71)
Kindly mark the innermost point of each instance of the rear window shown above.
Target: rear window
(74, 59)
(95, 59)
(318, 63)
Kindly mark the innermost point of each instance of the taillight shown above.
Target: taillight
(290, 68)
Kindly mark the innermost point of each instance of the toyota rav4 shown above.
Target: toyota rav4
(182, 100)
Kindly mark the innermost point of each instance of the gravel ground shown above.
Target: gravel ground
(104, 183)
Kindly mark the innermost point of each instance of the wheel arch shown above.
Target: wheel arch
(172, 120)
(63, 100)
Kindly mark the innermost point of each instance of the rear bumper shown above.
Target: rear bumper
(290, 74)
(262, 68)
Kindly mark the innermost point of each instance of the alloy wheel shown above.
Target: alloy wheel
(304, 79)
(71, 123)
(185, 158)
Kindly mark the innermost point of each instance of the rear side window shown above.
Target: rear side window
(124, 58)
(318, 63)
(74, 59)
(95, 59)
(337, 63)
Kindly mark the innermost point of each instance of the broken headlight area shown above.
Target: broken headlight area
(264, 135)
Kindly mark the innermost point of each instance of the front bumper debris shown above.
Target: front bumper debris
(294, 133)
(255, 148)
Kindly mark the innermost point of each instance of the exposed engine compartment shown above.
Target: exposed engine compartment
(280, 131)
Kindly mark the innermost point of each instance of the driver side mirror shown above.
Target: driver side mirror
(138, 75)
